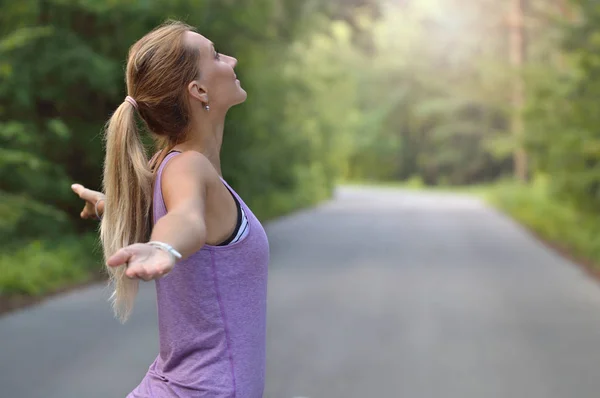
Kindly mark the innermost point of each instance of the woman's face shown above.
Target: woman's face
(218, 85)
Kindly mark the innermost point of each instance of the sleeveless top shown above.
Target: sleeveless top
(212, 318)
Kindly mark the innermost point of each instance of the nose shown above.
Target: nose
(232, 61)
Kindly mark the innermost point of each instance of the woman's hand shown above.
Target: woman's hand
(143, 261)
(91, 198)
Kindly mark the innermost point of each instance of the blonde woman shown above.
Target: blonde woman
(174, 220)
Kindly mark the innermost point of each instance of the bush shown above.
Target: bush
(554, 220)
(42, 267)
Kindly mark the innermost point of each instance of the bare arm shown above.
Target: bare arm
(184, 185)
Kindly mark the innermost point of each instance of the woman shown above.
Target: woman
(206, 251)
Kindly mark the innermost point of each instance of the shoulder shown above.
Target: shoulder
(189, 169)
(190, 164)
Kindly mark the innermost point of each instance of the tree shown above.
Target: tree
(61, 71)
(517, 57)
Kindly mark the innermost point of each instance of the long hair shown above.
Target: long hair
(159, 67)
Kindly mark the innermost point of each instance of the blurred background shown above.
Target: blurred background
(492, 99)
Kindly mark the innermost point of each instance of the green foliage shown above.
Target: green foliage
(563, 135)
(418, 91)
(437, 93)
(433, 94)
(44, 266)
(61, 63)
(565, 227)
(22, 218)
(61, 76)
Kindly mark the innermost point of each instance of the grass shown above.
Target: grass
(416, 184)
(44, 267)
(565, 227)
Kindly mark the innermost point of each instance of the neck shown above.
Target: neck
(206, 137)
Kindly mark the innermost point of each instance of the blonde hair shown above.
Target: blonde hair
(159, 67)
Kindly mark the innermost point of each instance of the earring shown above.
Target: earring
(206, 107)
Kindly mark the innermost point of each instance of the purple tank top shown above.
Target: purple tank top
(212, 318)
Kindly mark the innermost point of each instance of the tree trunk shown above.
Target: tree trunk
(517, 58)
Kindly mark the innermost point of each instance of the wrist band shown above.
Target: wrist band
(168, 248)
(96, 208)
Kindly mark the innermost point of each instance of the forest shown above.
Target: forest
(494, 97)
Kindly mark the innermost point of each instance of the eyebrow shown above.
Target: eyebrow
(212, 46)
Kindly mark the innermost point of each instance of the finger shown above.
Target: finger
(83, 192)
(78, 188)
(85, 213)
(134, 273)
(88, 216)
(130, 273)
(145, 277)
(121, 257)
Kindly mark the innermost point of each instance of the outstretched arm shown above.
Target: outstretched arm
(184, 185)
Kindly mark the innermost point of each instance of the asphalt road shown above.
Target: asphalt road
(378, 293)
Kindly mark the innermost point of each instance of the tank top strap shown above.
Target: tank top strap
(158, 206)
(238, 197)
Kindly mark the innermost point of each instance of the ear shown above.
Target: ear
(198, 92)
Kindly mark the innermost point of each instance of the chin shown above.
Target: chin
(242, 96)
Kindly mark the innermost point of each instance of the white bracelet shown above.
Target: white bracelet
(96, 208)
(168, 248)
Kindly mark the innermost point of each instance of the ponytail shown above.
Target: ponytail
(127, 183)
(159, 68)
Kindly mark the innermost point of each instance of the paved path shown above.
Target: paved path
(379, 293)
